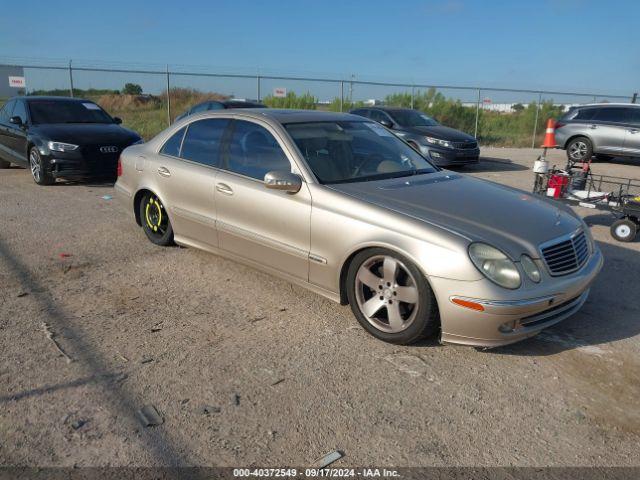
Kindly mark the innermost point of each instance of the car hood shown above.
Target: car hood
(86, 133)
(441, 132)
(509, 219)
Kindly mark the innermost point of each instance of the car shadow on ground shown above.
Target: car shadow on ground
(603, 219)
(86, 183)
(489, 164)
(611, 313)
(631, 161)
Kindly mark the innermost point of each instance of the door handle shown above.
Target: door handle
(224, 188)
(593, 126)
(164, 171)
(633, 130)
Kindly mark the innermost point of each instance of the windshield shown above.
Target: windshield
(412, 118)
(66, 111)
(340, 152)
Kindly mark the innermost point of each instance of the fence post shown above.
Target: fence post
(477, 114)
(70, 79)
(341, 95)
(258, 86)
(168, 98)
(413, 94)
(535, 122)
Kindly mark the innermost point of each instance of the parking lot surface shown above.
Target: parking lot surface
(246, 369)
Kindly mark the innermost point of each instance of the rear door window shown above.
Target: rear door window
(202, 141)
(612, 115)
(635, 116)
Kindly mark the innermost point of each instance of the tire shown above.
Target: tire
(4, 164)
(39, 170)
(624, 230)
(155, 221)
(374, 295)
(579, 149)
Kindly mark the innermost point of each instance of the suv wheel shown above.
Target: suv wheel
(391, 297)
(579, 150)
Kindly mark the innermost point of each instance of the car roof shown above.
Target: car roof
(619, 104)
(50, 97)
(390, 109)
(299, 116)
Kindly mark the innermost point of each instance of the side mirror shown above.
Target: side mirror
(117, 120)
(285, 181)
(16, 121)
(386, 123)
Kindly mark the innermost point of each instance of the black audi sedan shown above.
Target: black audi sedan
(60, 137)
(442, 145)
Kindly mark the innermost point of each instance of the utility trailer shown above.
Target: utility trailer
(577, 185)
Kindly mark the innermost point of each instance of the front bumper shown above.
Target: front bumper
(510, 315)
(87, 162)
(450, 156)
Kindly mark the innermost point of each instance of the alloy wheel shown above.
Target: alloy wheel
(35, 165)
(578, 150)
(387, 294)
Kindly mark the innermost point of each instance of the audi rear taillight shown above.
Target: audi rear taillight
(119, 169)
(559, 125)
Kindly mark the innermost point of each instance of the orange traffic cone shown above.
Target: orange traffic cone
(550, 135)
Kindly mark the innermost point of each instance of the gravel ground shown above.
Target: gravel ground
(246, 369)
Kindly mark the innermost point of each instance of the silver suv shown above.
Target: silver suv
(604, 130)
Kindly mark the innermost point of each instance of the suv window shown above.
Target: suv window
(20, 111)
(635, 116)
(201, 143)
(612, 114)
(254, 151)
(583, 114)
(5, 113)
(215, 106)
(172, 146)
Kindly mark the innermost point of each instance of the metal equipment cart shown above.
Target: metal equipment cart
(577, 185)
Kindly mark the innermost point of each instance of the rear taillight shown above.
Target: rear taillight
(559, 125)
(119, 169)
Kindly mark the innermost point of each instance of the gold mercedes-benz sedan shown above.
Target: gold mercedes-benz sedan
(340, 205)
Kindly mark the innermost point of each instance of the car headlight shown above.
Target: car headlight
(437, 141)
(530, 268)
(61, 146)
(495, 265)
(138, 142)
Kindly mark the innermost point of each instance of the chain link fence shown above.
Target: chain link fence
(148, 99)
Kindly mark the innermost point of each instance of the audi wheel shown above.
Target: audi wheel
(39, 169)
